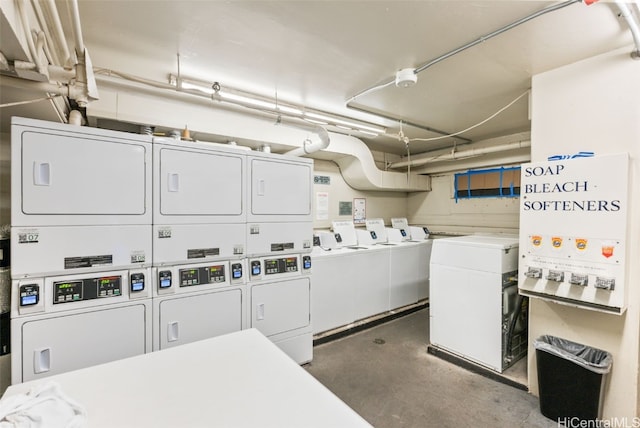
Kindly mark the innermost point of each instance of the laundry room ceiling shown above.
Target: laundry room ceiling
(320, 54)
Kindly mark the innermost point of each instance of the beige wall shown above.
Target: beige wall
(594, 105)
(439, 211)
(383, 205)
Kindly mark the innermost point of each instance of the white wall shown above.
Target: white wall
(439, 211)
(379, 204)
(594, 105)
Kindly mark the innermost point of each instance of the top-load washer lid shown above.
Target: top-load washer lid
(347, 232)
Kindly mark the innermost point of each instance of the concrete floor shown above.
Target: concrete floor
(386, 375)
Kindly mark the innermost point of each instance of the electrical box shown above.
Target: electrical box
(573, 224)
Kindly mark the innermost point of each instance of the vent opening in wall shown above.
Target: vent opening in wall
(487, 183)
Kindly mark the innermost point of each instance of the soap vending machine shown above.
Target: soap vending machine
(573, 226)
(279, 243)
(199, 241)
(80, 246)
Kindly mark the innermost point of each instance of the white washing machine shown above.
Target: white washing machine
(71, 321)
(198, 241)
(280, 302)
(473, 292)
(198, 301)
(80, 245)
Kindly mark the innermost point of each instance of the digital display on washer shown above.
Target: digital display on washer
(286, 264)
(67, 291)
(202, 275)
(29, 294)
(164, 279)
(216, 274)
(189, 277)
(86, 289)
(109, 286)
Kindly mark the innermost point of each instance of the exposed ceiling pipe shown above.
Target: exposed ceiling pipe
(35, 54)
(461, 154)
(84, 70)
(626, 13)
(72, 92)
(52, 50)
(50, 12)
(309, 146)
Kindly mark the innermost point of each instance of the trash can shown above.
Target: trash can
(571, 378)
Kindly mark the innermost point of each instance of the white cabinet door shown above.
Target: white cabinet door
(280, 188)
(279, 307)
(69, 342)
(200, 183)
(198, 317)
(64, 174)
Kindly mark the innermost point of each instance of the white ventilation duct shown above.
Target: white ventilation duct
(309, 146)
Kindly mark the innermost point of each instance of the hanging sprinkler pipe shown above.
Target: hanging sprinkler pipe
(625, 12)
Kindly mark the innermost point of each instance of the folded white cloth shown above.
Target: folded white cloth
(44, 406)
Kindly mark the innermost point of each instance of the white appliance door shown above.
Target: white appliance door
(333, 298)
(200, 184)
(466, 314)
(81, 176)
(280, 188)
(279, 307)
(198, 317)
(69, 342)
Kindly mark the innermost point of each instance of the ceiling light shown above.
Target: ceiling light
(185, 84)
(406, 77)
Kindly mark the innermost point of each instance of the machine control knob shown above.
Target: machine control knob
(535, 273)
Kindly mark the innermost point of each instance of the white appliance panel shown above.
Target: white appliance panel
(198, 316)
(280, 189)
(406, 274)
(207, 185)
(281, 306)
(189, 243)
(347, 232)
(333, 299)
(57, 344)
(372, 286)
(279, 238)
(466, 314)
(53, 249)
(477, 252)
(69, 175)
(424, 248)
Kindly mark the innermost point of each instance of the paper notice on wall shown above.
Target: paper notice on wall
(322, 206)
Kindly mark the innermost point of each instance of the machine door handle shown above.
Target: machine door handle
(260, 311)
(42, 173)
(173, 332)
(261, 187)
(41, 360)
(173, 182)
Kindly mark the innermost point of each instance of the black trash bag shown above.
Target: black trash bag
(592, 359)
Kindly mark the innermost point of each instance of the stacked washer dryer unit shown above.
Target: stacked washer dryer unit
(198, 241)
(279, 243)
(80, 245)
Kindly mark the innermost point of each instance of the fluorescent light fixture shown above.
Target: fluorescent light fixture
(197, 87)
(246, 100)
(362, 131)
(315, 121)
(337, 121)
(290, 110)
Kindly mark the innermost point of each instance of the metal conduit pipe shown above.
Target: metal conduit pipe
(77, 28)
(625, 12)
(51, 12)
(495, 33)
(462, 154)
(465, 47)
(24, 19)
(72, 92)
